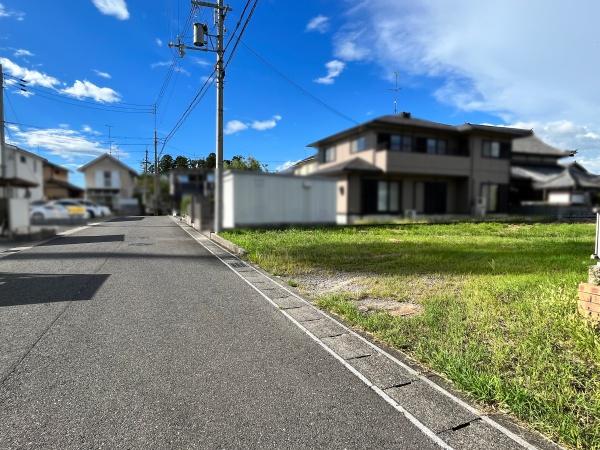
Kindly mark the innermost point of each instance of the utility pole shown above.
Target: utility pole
(156, 174)
(2, 150)
(200, 33)
(220, 14)
(146, 178)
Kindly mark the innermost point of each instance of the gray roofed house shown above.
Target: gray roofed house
(397, 164)
(539, 176)
(573, 177)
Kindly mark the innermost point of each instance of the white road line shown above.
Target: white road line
(515, 437)
(428, 432)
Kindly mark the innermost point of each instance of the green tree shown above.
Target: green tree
(181, 162)
(165, 164)
(239, 162)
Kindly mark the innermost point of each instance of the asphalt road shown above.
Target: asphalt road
(129, 334)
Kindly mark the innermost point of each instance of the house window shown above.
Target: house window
(489, 192)
(388, 196)
(495, 149)
(436, 146)
(23, 159)
(399, 143)
(329, 154)
(358, 145)
(107, 179)
(432, 146)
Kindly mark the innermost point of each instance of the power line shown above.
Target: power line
(239, 38)
(197, 98)
(202, 91)
(23, 84)
(298, 86)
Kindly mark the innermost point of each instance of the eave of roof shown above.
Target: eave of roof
(353, 165)
(532, 145)
(401, 121)
(111, 158)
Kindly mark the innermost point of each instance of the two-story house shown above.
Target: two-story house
(111, 183)
(23, 174)
(394, 164)
(56, 183)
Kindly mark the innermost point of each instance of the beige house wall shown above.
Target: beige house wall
(126, 179)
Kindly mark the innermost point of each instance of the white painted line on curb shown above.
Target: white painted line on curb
(429, 433)
(515, 437)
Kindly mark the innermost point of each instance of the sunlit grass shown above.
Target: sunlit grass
(499, 301)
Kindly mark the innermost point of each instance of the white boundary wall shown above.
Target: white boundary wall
(255, 199)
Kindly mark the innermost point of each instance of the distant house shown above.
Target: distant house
(304, 167)
(23, 174)
(111, 183)
(56, 183)
(397, 164)
(538, 176)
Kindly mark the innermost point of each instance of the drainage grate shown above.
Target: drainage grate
(237, 264)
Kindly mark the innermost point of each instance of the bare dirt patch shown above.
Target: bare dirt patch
(317, 284)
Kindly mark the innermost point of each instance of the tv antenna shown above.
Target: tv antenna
(395, 90)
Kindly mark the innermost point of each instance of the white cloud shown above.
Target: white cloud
(88, 129)
(25, 94)
(66, 143)
(234, 126)
(286, 165)
(32, 77)
(348, 50)
(18, 15)
(334, 69)
(115, 8)
(319, 23)
(87, 89)
(202, 62)
(263, 125)
(106, 75)
(486, 58)
(168, 64)
(22, 52)
(159, 42)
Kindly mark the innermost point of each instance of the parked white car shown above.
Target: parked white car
(41, 211)
(76, 210)
(95, 210)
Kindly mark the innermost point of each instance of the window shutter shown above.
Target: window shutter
(505, 150)
(421, 145)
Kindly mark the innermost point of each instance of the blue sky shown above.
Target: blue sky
(458, 61)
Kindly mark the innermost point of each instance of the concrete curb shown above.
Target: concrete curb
(233, 248)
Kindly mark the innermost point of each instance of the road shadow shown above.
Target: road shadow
(69, 240)
(33, 288)
(126, 219)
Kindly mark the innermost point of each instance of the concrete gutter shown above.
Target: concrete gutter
(233, 248)
(230, 246)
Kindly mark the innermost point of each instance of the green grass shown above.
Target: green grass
(500, 317)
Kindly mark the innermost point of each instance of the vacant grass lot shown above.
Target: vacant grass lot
(499, 302)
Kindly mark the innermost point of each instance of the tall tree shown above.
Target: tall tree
(181, 162)
(165, 164)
